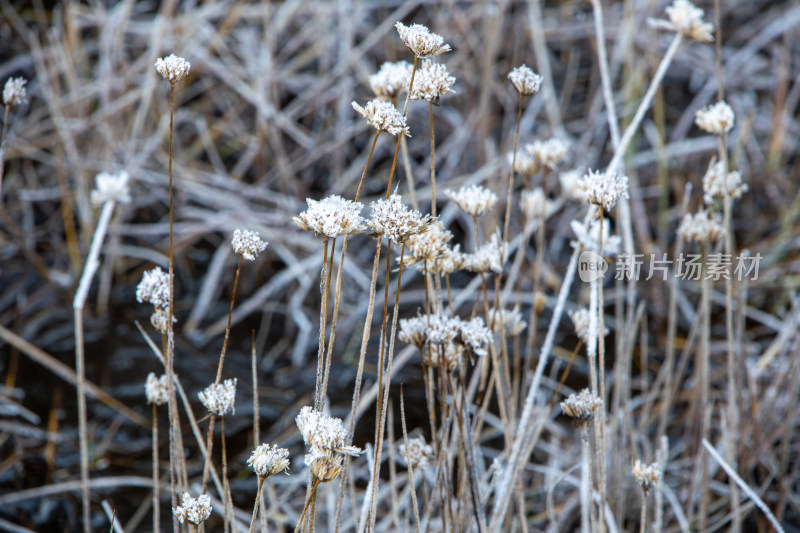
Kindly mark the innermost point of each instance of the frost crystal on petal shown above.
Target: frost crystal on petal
(219, 398)
(687, 20)
(648, 476)
(332, 216)
(475, 336)
(489, 257)
(323, 434)
(582, 405)
(248, 244)
(473, 199)
(173, 68)
(154, 288)
(700, 227)
(422, 42)
(718, 184)
(432, 81)
(547, 153)
(193, 510)
(391, 78)
(267, 460)
(392, 218)
(525, 80)
(604, 189)
(383, 116)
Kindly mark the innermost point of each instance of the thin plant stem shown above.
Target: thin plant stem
(605, 78)
(410, 466)
(587, 465)
(507, 216)
(643, 514)
(228, 327)
(601, 368)
(433, 163)
(323, 316)
(3, 149)
(209, 448)
(705, 378)
(255, 505)
(311, 496)
(226, 497)
(156, 499)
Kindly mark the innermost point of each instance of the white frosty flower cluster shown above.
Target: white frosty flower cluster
(110, 188)
(717, 183)
(648, 476)
(687, 20)
(422, 42)
(489, 257)
(14, 92)
(525, 80)
(154, 288)
(220, 398)
(700, 227)
(332, 216)
(432, 81)
(267, 460)
(604, 188)
(428, 246)
(473, 199)
(571, 185)
(534, 204)
(417, 452)
(716, 119)
(193, 510)
(580, 320)
(383, 116)
(155, 389)
(173, 68)
(325, 436)
(248, 244)
(508, 321)
(395, 220)
(440, 330)
(391, 78)
(547, 153)
(582, 405)
(589, 238)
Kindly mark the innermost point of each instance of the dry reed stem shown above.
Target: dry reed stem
(412, 485)
(156, 499)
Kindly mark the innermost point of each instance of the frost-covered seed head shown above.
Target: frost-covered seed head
(581, 406)
(524, 163)
(428, 246)
(604, 189)
(173, 68)
(473, 199)
(323, 434)
(475, 336)
(110, 188)
(391, 78)
(571, 186)
(248, 244)
(395, 220)
(159, 320)
(432, 81)
(489, 257)
(547, 153)
(325, 467)
(14, 92)
(442, 329)
(267, 460)
(422, 42)
(718, 184)
(700, 227)
(443, 356)
(580, 319)
(332, 216)
(648, 476)
(534, 204)
(716, 119)
(590, 239)
(155, 389)
(525, 80)
(687, 20)
(414, 331)
(219, 398)
(417, 452)
(508, 321)
(193, 510)
(154, 288)
(383, 116)
(450, 260)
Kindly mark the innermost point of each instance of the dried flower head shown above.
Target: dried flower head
(14, 92)
(524, 163)
(422, 42)
(508, 321)
(525, 80)
(383, 116)
(323, 434)
(448, 261)
(391, 78)
(489, 257)
(442, 329)
(473, 199)
(474, 336)
(431, 82)
(581, 406)
(589, 238)
(159, 320)
(154, 288)
(110, 188)
(718, 184)
(547, 153)
(219, 398)
(580, 319)
(428, 246)
(648, 476)
(604, 189)
(417, 452)
(571, 186)
(155, 389)
(332, 216)
(248, 244)
(173, 68)
(716, 119)
(193, 510)
(268, 460)
(700, 227)
(687, 20)
(395, 220)
(414, 331)
(324, 467)
(534, 204)
(443, 356)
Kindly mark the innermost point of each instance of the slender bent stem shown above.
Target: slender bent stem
(601, 363)
(255, 505)
(156, 499)
(433, 163)
(611, 111)
(643, 515)
(311, 497)
(323, 317)
(228, 327)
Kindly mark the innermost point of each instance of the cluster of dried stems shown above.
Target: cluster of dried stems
(460, 298)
